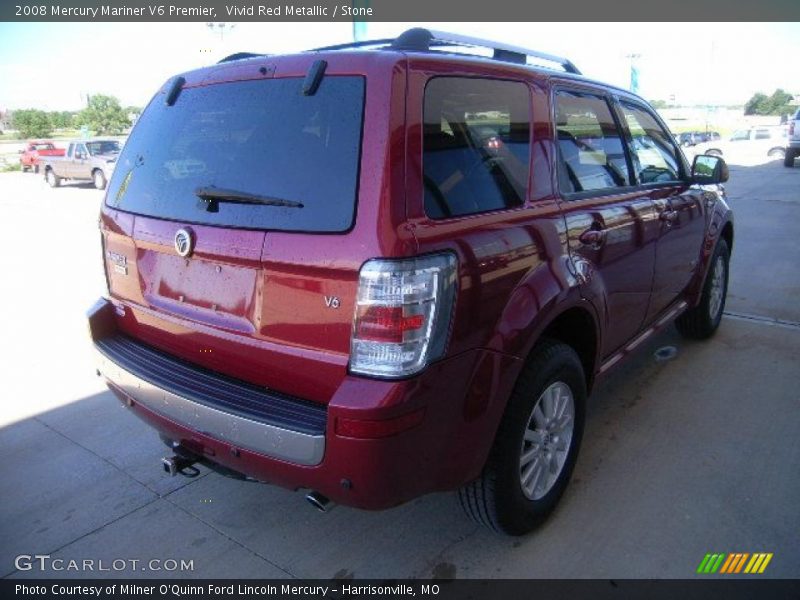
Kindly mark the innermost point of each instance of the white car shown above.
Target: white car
(755, 143)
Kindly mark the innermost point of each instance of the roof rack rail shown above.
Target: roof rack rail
(359, 44)
(419, 39)
(422, 40)
(239, 56)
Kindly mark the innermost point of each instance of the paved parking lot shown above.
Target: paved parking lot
(697, 454)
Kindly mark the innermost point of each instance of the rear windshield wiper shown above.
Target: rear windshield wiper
(212, 196)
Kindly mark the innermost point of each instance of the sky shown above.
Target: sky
(53, 66)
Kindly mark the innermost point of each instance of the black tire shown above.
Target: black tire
(496, 499)
(36, 169)
(788, 158)
(99, 179)
(698, 323)
(777, 153)
(53, 180)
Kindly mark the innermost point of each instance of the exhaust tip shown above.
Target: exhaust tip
(320, 502)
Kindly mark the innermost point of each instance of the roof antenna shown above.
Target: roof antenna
(314, 77)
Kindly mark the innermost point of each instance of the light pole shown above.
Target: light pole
(359, 27)
(221, 28)
(634, 85)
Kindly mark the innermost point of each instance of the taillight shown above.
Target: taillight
(402, 315)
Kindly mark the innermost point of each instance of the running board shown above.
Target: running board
(637, 341)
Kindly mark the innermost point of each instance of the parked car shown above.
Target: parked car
(792, 150)
(707, 136)
(692, 138)
(33, 153)
(688, 138)
(85, 160)
(751, 143)
(378, 273)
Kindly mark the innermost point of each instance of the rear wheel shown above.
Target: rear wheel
(99, 179)
(53, 180)
(703, 320)
(788, 158)
(536, 445)
(777, 153)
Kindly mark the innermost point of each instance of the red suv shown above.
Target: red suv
(381, 270)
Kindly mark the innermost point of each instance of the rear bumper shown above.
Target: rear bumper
(375, 445)
(240, 431)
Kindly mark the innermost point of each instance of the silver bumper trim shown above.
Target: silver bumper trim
(275, 442)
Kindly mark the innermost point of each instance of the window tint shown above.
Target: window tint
(762, 134)
(590, 148)
(260, 137)
(476, 145)
(653, 154)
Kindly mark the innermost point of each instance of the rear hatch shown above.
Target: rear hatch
(223, 225)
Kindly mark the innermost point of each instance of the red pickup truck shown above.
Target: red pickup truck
(32, 154)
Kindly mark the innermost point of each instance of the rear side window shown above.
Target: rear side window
(476, 145)
(592, 156)
(740, 135)
(654, 156)
(262, 138)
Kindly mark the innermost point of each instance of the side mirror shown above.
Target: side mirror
(707, 170)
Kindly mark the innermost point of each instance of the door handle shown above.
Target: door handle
(593, 237)
(668, 215)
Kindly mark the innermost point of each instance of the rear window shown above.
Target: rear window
(262, 138)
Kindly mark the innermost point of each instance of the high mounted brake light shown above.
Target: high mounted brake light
(402, 314)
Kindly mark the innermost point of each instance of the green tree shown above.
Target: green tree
(104, 115)
(31, 123)
(779, 102)
(756, 105)
(61, 119)
(776, 104)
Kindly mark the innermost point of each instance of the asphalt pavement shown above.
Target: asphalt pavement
(682, 457)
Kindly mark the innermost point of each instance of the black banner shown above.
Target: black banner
(393, 10)
(294, 589)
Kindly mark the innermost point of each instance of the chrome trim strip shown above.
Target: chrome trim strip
(610, 362)
(283, 444)
(674, 312)
(643, 336)
(639, 339)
